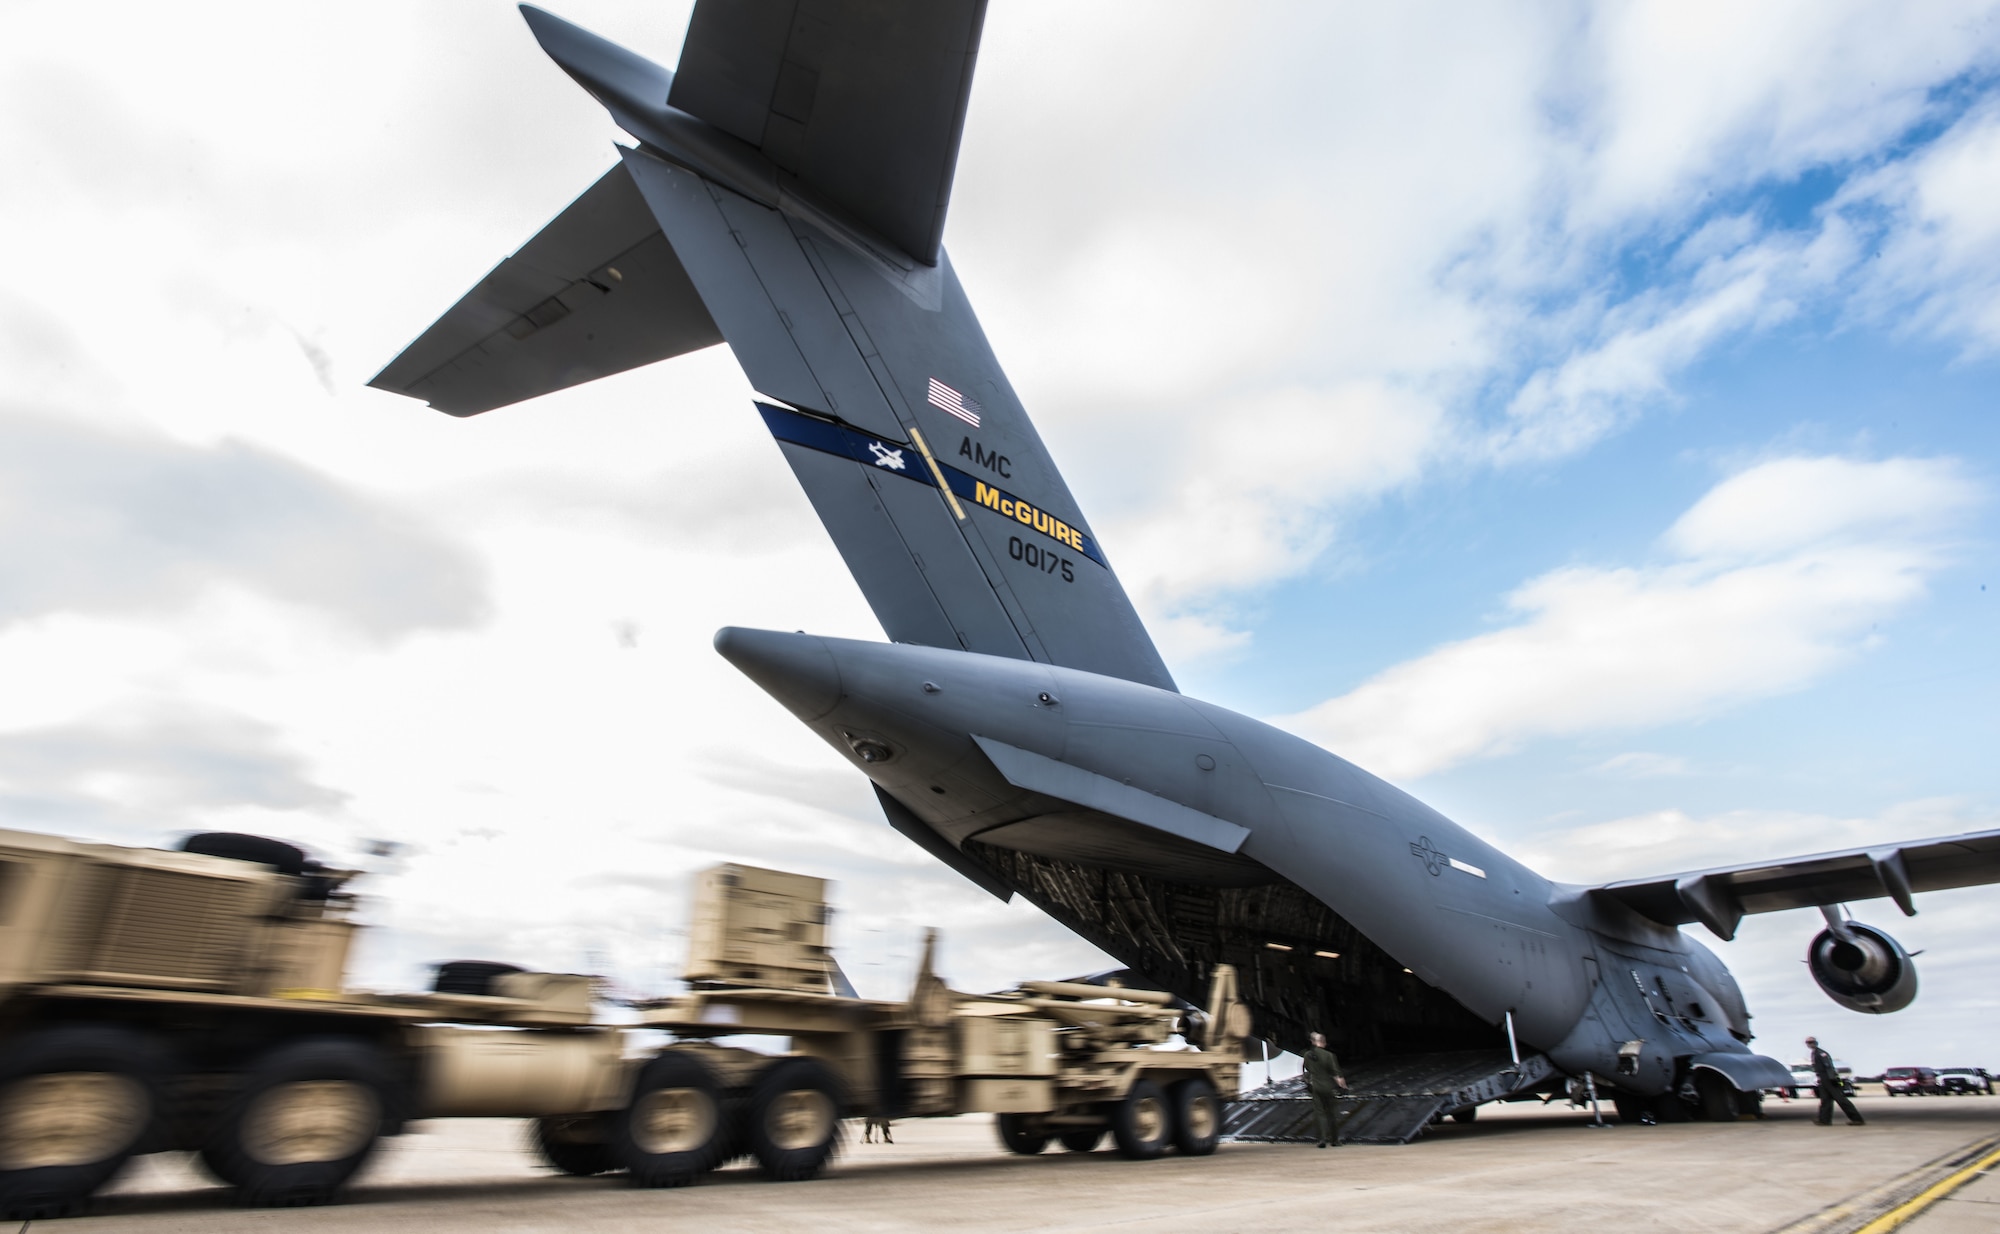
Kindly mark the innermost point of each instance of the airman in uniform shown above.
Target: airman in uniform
(1826, 1078)
(1324, 1081)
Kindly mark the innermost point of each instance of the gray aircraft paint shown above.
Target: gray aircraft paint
(787, 198)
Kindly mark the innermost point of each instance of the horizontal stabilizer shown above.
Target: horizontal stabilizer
(863, 101)
(597, 291)
(1720, 898)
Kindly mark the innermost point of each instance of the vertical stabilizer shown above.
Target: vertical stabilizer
(797, 166)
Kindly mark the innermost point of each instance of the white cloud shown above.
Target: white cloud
(1682, 97)
(1938, 224)
(1261, 484)
(1493, 205)
(1790, 504)
(95, 521)
(1644, 343)
(1672, 841)
(157, 768)
(1780, 573)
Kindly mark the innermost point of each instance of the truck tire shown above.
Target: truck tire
(309, 1114)
(1143, 1123)
(673, 1131)
(577, 1144)
(1018, 1135)
(792, 1123)
(1197, 1116)
(1082, 1139)
(75, 1104)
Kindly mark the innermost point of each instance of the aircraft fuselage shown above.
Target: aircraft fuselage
(1177, 834)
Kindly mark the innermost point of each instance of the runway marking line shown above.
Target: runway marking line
(1930, 1195)
(1851, 1216)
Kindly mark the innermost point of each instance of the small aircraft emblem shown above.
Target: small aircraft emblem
(885, 457)
(1433, 860)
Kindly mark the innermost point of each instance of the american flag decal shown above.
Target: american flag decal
(948, 400)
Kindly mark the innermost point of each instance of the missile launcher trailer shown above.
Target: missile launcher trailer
(195, 1000)
(1053, 1060)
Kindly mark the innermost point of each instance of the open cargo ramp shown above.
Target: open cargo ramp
(1389, 1100)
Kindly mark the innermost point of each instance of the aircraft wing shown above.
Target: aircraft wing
(1720, 898)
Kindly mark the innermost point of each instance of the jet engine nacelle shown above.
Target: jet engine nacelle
(1862, 969)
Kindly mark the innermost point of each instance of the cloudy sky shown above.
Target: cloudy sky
(1587, 417)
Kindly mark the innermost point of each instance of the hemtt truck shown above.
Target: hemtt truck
(195, 999)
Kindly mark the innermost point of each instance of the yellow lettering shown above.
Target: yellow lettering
(1027, 515)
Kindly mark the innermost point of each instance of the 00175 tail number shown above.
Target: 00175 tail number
(1036, 557)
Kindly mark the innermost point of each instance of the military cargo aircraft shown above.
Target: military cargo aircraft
(786, 195)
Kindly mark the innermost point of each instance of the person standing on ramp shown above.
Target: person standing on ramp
(1827, 1079)
(1323, 1081)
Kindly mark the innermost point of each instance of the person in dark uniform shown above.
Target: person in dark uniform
(1324, 1081)
(1826, 1078)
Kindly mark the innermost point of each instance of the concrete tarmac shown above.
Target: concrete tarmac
(1518, 1168)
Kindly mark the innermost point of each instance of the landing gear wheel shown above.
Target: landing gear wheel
(75, 1103)
(1019, 1135)
(308, 1116)
(1633, 1109)
(1082, 1140)
(674, 1130)
(1715, 1097)
(1466, 1115)
(1197, 1116)
(1143, 1122)
(578, 1145)
(793, 1122)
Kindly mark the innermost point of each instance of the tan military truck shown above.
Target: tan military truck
(196, 1000)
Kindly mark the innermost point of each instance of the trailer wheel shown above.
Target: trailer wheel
(793, 1122)
(1143, 1122)
(575, 1145)
(1018, 1135)
(673, 1131)
(1082, 1140)
(75, 1104)
(309, 1114)
(1197, 1116)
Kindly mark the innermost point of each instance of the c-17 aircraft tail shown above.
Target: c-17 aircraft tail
(790, 202)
